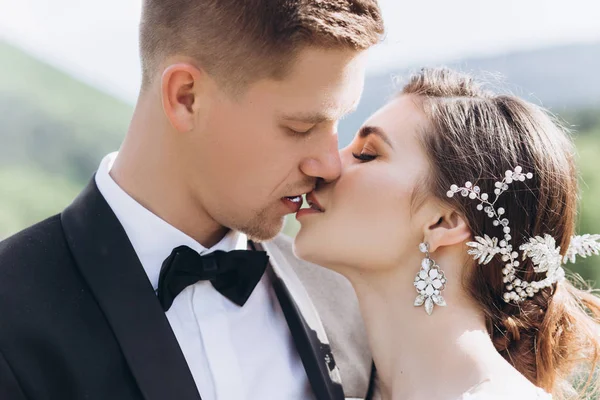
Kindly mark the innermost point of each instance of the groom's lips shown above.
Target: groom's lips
(293, 203)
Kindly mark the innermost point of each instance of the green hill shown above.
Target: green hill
(54, 131)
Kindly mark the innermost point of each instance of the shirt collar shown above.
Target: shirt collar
(152, 238)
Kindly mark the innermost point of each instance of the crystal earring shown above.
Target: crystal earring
(429, 282)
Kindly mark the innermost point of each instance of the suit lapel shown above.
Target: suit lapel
(306, 329)
(109, 265)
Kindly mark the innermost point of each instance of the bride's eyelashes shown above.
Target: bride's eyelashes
(365, 157)
(366, 154)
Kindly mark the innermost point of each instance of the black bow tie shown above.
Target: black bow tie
(234, 274)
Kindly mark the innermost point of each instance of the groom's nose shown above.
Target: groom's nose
(325, 161)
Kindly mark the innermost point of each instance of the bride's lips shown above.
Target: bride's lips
(313, 202)
(314, 206)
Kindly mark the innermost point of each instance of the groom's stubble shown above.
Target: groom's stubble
(263, 225)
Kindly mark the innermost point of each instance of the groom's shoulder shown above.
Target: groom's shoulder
(36, 237)
(37, 275)
(32, 250)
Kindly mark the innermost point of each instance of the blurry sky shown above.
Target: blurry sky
(96, 41)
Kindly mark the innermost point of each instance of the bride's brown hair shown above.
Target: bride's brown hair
(475, 135)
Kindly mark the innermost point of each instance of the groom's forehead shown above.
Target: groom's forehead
(314, 92)
(318, 69)
(321, 103)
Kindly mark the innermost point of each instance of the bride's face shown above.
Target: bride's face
(375, 212)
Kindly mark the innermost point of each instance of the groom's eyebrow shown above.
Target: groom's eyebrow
(368, 130)
(316, 117)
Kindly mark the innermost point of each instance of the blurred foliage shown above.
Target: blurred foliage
(30, 195)
(585, 121)
(55, 130)
(588, 146)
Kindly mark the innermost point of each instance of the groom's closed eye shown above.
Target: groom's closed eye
(302, 124)
(298, 126)
(299, 131)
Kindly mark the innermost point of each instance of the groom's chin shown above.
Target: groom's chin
(264, 229)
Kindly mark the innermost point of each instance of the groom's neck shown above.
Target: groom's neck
(146, 171)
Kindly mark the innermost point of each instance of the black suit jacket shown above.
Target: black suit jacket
(79, 318)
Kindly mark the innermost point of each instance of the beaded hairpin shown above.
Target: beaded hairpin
(542, 251)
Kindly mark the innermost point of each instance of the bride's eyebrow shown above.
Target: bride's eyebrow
(368, 130)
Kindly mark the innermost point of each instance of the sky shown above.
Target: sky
(96, 41)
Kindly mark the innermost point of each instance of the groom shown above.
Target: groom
(146, 286)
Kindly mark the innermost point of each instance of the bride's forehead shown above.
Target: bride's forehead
(400, 119)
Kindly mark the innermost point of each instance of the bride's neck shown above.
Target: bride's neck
(420, 356)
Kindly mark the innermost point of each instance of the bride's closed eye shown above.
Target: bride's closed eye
(366, 154)
(365, 157)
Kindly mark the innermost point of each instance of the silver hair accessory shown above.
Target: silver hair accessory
(429, 282)
(542, 251)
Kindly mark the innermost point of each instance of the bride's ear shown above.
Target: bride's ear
(446, 229)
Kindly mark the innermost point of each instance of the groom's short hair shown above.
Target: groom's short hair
(240, 41)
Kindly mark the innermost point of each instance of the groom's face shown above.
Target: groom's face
(255, 153)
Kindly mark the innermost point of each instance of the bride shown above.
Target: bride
(452, 218)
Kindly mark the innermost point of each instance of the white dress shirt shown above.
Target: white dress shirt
(234, 353)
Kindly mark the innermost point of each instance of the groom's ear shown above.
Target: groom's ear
(180, 90)
(446, 228)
